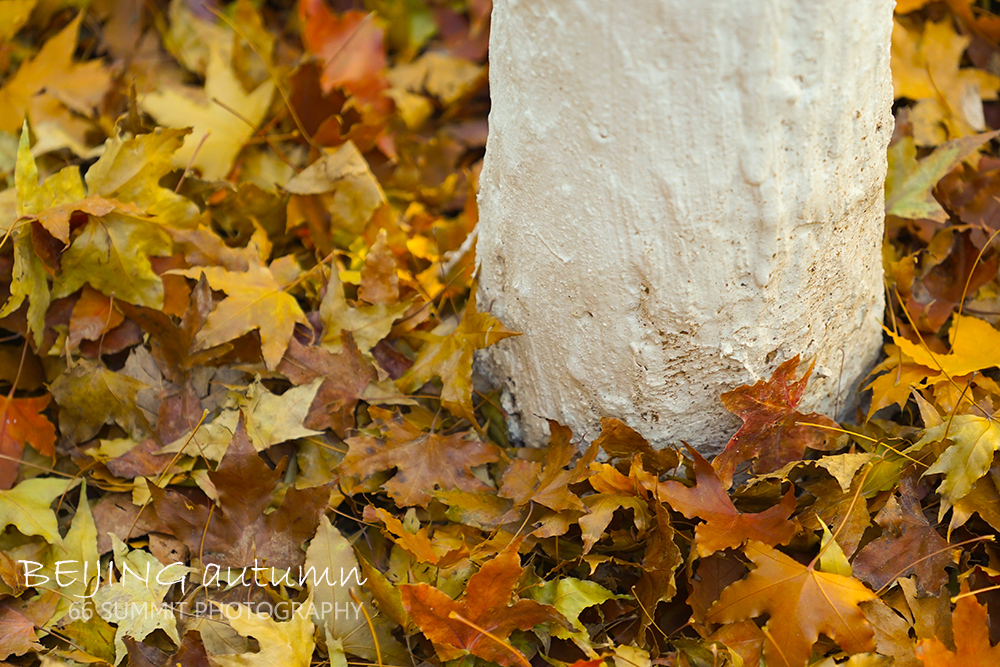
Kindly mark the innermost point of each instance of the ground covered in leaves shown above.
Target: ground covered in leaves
(240, 424)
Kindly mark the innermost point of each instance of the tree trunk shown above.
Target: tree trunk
(676, 197)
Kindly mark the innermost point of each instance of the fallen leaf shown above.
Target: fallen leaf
(135, 603)
(79, 86)
(802, 603)
(22, 423)
(350, 46)
(547, 482)
(239, 533)
(909, 184)
(218, 134)
(770, 431)
(423, 461)
(288, 643)
(346, 376)
(725, 526)
(450, 358)
(456, 627)
(908, 545)
(972, 638)
(335, 573)
(974, 440)
(255, 300)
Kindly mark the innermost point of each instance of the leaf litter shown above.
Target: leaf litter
(240, 323)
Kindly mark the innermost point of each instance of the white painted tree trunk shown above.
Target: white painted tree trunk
(677, 196)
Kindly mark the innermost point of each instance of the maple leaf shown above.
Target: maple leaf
(18, 620)
(970, 623)
(450, 358)
(621, 441)
(22, 422)
(417, 544)
(345, 378)
(802, 603)
(925, 67)
(909, 184)
(212, 117)
(30, 281)
(379, 279)
(367, 325)
(240, 533)
(111, 254)
(78, 86)
(90, 396)
(570, 597)
(974, 441)
(547, 482)
(601, 508)
(135, 603)
(657, 583)
(335, 567)
(270, 419)
(908, 545)
(423, 461)
(342, 183)
(456, 627)
(350, 46)
(894, 384)
(26, 506)
(725, 526)
(770, 431)
(289, 644)
(976, 349)
(255, 300)
(130, 171)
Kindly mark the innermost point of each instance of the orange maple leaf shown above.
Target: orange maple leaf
(802, 603)
(22, 421)
(725, 526)
(972, 638)
(481, 622)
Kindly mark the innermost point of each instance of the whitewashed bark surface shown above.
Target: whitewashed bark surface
(677, 196)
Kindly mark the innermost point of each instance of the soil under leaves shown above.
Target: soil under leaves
(239, 423)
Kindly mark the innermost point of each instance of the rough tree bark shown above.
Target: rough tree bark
(677, 196)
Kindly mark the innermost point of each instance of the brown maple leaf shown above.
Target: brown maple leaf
(623, 442)
(970, 624)
(345, 377)
(423, 461)
(725, 526)
(770, 432)
(908, 545)
(802, 603)
(238, 533)
(483, 619)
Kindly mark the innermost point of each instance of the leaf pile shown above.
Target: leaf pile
(239, 421)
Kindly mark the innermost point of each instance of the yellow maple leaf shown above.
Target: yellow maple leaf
(130, 170)
(290, 643)
(925, 68)
(226, 132)
(975, 346)
(450, 358)
(255, 300)
(52, 79)
(367, 324)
